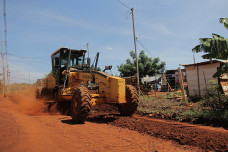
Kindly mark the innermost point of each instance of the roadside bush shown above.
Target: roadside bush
(214, 97)
(208, 111)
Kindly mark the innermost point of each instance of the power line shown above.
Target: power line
(31, 58)
(81, 46)
(21, 58)
(123, 4)
(27, 57)
(143, 47)
(18, 75)
(19, 78)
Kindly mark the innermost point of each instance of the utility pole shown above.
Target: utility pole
(3, 70)
(136, 54)
(5, 31)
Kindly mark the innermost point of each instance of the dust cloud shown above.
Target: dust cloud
(26, 102)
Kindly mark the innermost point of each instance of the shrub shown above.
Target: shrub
(214, 97)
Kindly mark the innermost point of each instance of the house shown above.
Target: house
(200, 74)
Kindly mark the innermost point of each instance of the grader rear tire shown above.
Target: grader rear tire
(80, 104)
(132, 98)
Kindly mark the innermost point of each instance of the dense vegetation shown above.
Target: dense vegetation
(147, 66)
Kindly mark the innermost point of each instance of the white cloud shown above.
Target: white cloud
(108, 48)
(61, 19)
(158, 27)
(53, 19)
(20, 72)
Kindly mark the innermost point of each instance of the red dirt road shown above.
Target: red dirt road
(26, 126)
(20, 131)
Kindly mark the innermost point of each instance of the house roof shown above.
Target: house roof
(206, 62)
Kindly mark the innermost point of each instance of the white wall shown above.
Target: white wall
(192, 78)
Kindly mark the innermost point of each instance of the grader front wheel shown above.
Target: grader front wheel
(80, 104)
(132, 98)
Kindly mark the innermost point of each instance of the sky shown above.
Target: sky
(168, 29)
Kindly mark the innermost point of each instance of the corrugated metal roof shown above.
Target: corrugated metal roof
(206, 62)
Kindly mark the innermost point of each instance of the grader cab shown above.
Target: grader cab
(77, 82)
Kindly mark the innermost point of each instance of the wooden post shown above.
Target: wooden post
(182, 84)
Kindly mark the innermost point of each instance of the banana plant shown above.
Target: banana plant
(224, 21)
(215, 48)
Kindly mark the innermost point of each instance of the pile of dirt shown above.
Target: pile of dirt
(215, 122)
(103, 109)
(204, 137)
(179, 132)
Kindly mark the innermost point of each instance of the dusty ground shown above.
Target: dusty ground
(204, 137)
(26, 126)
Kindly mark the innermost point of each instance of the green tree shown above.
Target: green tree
(147, 66)
(215, 48)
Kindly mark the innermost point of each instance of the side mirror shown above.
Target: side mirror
(107, 68)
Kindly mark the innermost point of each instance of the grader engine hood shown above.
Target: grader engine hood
(109, 87)
(76, 78)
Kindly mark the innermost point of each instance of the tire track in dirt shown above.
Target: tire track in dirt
(204, 137)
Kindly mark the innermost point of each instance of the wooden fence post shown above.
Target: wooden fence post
(182, 85)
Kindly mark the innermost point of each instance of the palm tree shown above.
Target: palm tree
(215, 48)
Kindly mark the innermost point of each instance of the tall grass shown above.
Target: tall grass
(17, 87)
(191, 112)
(159, 104)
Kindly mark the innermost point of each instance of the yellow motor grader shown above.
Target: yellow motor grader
(74, 80)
